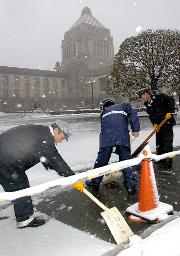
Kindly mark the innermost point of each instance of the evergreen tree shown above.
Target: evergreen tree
(150, 59)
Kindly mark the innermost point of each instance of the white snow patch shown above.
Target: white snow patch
(138, 29)
(164, 241)
(54, 238)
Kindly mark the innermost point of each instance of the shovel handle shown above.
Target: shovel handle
(95, 200)
(145, 142)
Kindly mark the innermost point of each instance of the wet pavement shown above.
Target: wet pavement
(75, 209)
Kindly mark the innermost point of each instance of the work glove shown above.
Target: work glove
(79, 186)
(156, 127)
(168, 116)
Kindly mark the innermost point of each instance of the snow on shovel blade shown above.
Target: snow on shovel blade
(115, 221)
(117, 225)
(111, 177)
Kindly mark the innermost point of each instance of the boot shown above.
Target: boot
(36, 222)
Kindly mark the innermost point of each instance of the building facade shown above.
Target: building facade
(23, 89)
(79, 80)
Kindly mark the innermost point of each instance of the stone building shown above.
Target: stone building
(26, 89)
(79, 80)
(87, 57)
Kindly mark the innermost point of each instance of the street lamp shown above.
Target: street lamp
(92, 82)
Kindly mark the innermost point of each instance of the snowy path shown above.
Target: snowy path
(56, 238)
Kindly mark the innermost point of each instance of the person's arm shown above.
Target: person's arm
(133, 119)
(55, 161)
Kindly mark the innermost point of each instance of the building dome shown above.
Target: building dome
(87, 11)
(87, 18)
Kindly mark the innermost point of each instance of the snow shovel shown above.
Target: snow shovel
(114, 219)
(146, 141)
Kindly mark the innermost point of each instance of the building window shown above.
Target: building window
(16, 93)
(5, 80)
(55, 89)
(94, 50)
(37, 93)
(55, 84)
(5, 93)
(26, 81)
(63, 94)
(27, 92)
(46, 86)
(74, 49)
(16, 81)
(37, 82)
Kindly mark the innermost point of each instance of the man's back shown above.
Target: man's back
(114, 125)
(24, 144)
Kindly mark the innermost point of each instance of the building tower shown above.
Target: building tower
(87, 55)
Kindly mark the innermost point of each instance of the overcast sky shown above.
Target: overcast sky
(31, 31)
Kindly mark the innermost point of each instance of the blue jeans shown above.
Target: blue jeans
(104, 154)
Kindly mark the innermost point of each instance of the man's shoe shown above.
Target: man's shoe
(36, 222)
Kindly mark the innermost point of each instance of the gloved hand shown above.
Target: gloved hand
(168, 116)
(156, 127)
(79, 186)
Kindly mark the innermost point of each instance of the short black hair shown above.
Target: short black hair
(142, 91)
(107, 103)
(54, 126)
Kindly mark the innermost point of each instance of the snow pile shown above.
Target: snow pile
(164, 241)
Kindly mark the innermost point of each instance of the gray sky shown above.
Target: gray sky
(31, 31)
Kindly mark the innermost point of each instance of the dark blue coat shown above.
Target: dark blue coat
(114, 125)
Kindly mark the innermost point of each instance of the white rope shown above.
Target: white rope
(166, 155)
(69, 181)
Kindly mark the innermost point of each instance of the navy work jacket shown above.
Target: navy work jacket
(115, 122)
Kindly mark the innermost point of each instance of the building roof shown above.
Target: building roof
(28, 71)
(87, 18)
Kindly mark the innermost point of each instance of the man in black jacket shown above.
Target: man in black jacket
(23, 147)
(158, 107)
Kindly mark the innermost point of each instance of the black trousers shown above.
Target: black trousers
(164, 142)
(164, 139)
(23, 207)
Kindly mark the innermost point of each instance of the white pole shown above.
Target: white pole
(68, 181)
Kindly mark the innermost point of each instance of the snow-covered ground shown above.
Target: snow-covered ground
(56, 238)
(164, 242)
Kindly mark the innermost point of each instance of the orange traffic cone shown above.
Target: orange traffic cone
(148, 194)
(149, 208)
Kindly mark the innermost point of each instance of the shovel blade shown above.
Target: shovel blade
(117, 225)
(112, 177)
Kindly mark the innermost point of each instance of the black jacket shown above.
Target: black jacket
(24, 146)
(159, 106)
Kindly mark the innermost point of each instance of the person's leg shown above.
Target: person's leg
(130, 179)
(167, 144)
(23, 207)
(158, 140)
(102, 159)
